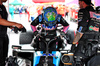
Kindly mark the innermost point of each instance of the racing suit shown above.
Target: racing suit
(3, 37)
(50, 31)
(89, 27)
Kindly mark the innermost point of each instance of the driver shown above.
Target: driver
(49, 21)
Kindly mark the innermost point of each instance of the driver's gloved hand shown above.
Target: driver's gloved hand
(73, 48)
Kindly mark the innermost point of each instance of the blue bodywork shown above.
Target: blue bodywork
(56, 57)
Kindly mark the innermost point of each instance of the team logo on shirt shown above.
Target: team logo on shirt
(93, 28)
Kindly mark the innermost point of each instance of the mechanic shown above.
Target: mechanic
(3, 32)
(49, 21)
(87, 29)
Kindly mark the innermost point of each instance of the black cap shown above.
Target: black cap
(88, 2)
(98, 9)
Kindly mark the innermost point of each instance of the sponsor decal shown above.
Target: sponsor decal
(80, 20)
(80, 29)
(94, 15)
(93, 28)
(40, 18)
(49, 27)
(48, 55)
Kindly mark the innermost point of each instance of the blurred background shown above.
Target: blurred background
(25, 11)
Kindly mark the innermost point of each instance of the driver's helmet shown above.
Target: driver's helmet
(98, 9)
(50, 16)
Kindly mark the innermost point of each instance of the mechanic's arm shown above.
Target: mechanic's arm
(9, 23)
(77, 37)
(83, 18)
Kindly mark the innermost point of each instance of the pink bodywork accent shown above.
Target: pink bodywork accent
(51, 28)
(33, 28)
(65, 29)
